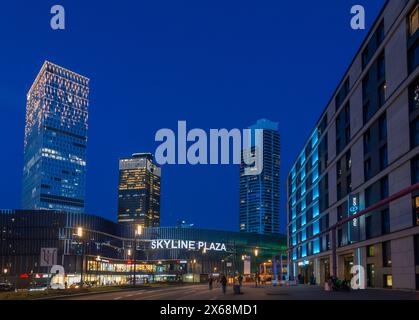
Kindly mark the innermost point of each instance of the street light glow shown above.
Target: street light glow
(139, 230)
(256, 252)
(80, 232)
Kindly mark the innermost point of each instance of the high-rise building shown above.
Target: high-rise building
(139, 191)
(363, 150)
(55, 140)
(259, 194)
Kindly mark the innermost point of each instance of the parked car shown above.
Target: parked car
(78, 285)
(6, 286)
(38, 287)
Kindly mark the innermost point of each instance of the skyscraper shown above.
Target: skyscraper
(139, 191)
(55, 140)
(259, 194)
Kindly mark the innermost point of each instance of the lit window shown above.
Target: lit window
(388, 281)
(414, 21)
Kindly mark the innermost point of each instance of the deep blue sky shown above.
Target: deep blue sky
(216, 64)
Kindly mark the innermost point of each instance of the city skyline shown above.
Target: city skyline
(169, 83)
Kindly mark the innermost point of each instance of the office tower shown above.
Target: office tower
(364, 148)
(55, 143)
(139, 191)
(259, 194)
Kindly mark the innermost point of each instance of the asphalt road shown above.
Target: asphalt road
(201, 292)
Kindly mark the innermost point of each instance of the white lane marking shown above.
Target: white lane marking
(157, 294)
(117, 298)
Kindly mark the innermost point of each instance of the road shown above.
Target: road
(201, 292)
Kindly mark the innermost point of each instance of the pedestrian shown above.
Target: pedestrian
(224, 283)
(312, 280)
(210, 280)
(240, 279)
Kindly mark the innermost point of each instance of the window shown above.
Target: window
(367, 141)
(387, 254)
(414, 21)
(368, 227)
(367, 169)
(381, 67)
(414, 132)
(366, 112)
(380, 34)
(381, 95)
(384, 191)
(349, 183)
(416, 210)
(370, 251)
(413, 56)
(414, 95)
(383, 157)
(385, 221)
(415, 170)
(383, 127)
(388, 281)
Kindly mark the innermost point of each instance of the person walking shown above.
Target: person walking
(240, 279)
(210, 281)
(224, 283)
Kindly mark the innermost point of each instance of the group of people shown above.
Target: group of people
(302, 280)
(222, 280)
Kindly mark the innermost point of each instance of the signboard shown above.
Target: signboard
(353, 226)
(187, 245)
(48, 257)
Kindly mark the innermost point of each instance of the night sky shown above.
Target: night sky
(215, 64)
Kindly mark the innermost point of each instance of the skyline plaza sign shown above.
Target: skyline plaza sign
(187, 245)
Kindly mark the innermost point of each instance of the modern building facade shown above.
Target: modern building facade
(259, 194)
(55, 143)
(139, 191)
(108, 252)
(364, 148)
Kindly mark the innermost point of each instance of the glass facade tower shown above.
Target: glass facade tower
(55, 140)
(259, 194)
(139, 191)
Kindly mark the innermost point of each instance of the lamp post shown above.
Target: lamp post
(138, 232)
(193, 270)
(5, 271)
(79, 234)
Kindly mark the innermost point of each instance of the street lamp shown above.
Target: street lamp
(138, 232)
(193, 270)
(79, 234)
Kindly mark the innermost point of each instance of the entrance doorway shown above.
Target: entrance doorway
(371, 275)
(348, 262)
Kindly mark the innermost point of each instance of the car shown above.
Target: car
(38, 287)
(78, 285)
(6, 286)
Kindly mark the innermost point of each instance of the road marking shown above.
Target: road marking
(117, 298)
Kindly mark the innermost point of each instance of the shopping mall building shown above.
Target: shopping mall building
(104, 252)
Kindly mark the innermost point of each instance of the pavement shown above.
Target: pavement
(249, 292)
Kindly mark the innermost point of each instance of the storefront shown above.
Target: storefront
(102, 252)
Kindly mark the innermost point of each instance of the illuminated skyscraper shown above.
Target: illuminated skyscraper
(55, 140)
(139, 191)
(259, 194)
